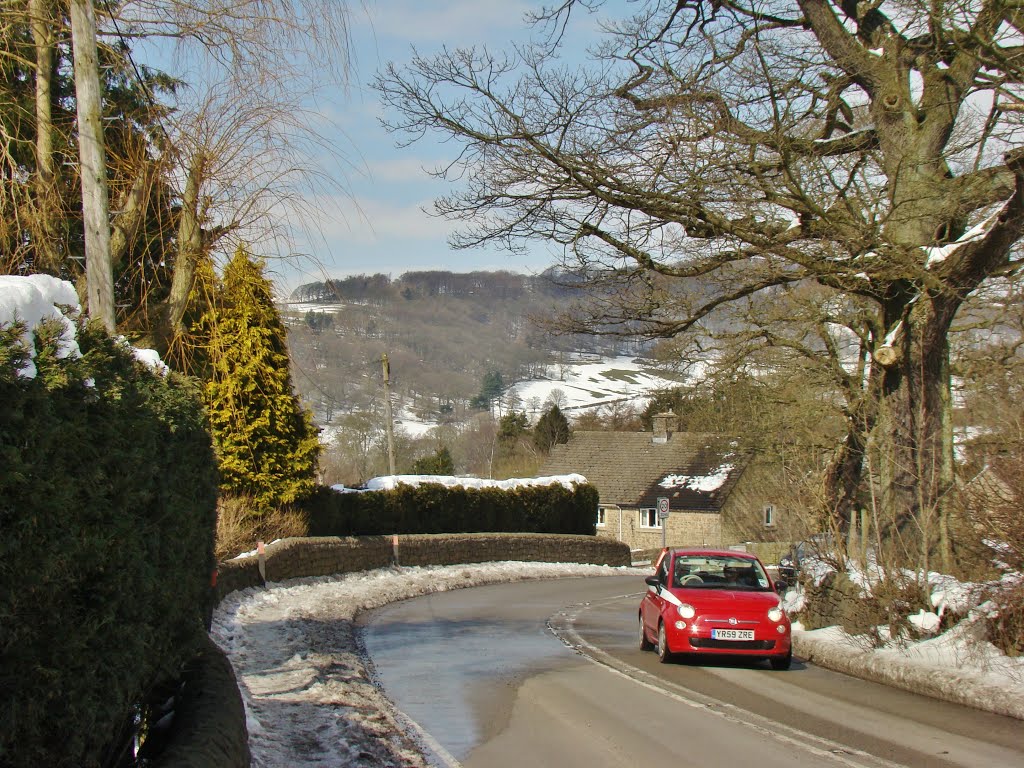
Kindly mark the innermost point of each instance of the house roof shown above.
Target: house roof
(694, 471)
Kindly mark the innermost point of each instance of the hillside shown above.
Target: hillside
(442, 333)
(446, 335)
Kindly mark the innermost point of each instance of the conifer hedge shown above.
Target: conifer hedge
(435, 508)
(107, 512)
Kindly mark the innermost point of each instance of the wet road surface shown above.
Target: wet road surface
(481, 671)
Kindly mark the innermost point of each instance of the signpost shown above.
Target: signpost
(663, 512)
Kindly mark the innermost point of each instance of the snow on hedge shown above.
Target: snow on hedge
(390, 482)
(35, 299)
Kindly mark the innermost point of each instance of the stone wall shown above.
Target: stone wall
(209, 729)
(323, 556)
(209, 720)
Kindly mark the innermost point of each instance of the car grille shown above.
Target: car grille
(737, 645)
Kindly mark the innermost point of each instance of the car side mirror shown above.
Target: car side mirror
(652, 581)
(781, 586)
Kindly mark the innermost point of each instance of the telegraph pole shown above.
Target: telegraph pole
(390, 421)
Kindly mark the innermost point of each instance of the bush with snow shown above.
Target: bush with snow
(107, 504)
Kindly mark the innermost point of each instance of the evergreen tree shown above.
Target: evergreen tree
(552, 427)
(512, 425)
(490, 390)
(266, 443)
(440, 463)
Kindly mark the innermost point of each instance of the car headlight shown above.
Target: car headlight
(776, 613)
(686, 610)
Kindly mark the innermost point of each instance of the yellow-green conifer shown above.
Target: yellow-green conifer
(266, 443)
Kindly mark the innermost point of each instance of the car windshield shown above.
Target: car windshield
(718, 572)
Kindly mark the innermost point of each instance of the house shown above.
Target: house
(717, 494)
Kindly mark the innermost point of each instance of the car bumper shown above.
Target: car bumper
(767, 642)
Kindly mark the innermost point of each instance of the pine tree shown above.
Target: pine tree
(490, 390)
(266, 443)
(552, 427)
(512, 425)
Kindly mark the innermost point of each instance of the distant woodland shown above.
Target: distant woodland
(446, 336)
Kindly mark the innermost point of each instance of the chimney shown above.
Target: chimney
(664, 425)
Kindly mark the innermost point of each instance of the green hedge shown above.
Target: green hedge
(435, 508)
(107, 516)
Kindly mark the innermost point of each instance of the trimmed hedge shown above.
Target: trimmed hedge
(107, 516)
(435, 508)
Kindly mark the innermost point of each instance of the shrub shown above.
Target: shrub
(1004, 624)
(239, 526)
(107, 501)
(435, 508)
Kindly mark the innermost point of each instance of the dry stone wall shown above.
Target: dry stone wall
(327, 555)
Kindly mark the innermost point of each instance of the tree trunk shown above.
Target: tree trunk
(95, 197)
(846, 471)
(917, 403)
(45, 229)
(190, 247)
(126, 224)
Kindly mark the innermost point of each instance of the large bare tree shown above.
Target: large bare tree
(714, 153)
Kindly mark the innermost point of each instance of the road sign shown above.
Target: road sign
(663, 507)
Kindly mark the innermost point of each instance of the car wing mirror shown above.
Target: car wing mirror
(781, 586)
(652, 581)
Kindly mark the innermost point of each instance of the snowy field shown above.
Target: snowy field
(589, 382)
(310, 701)
(582, 383)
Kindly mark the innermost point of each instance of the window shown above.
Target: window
(600, 517)
(649, 518)
(769, 516)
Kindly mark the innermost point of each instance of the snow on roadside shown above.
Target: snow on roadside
(307, 693)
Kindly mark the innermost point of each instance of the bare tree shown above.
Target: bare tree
(95, 200)
(719, 151)
(245, 146)
(236, 150)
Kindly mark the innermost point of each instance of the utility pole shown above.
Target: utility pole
(390, 421)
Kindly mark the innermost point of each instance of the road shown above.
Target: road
(548, 673)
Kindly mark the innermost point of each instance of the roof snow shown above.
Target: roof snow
(700, 483)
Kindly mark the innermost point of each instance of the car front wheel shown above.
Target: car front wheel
(664, 654)
(645, 644)
(781, 663)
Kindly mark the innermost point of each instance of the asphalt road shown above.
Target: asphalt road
(549, 673)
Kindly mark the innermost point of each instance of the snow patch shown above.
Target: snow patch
(33, 300)
(699, 483)
(390, 482)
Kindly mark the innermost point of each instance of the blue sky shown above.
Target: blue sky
(381, 224)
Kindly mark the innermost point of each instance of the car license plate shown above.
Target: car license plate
(732, 634)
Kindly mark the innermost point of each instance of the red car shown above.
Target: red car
(714, 603)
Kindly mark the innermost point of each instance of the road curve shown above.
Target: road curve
(549, 673)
